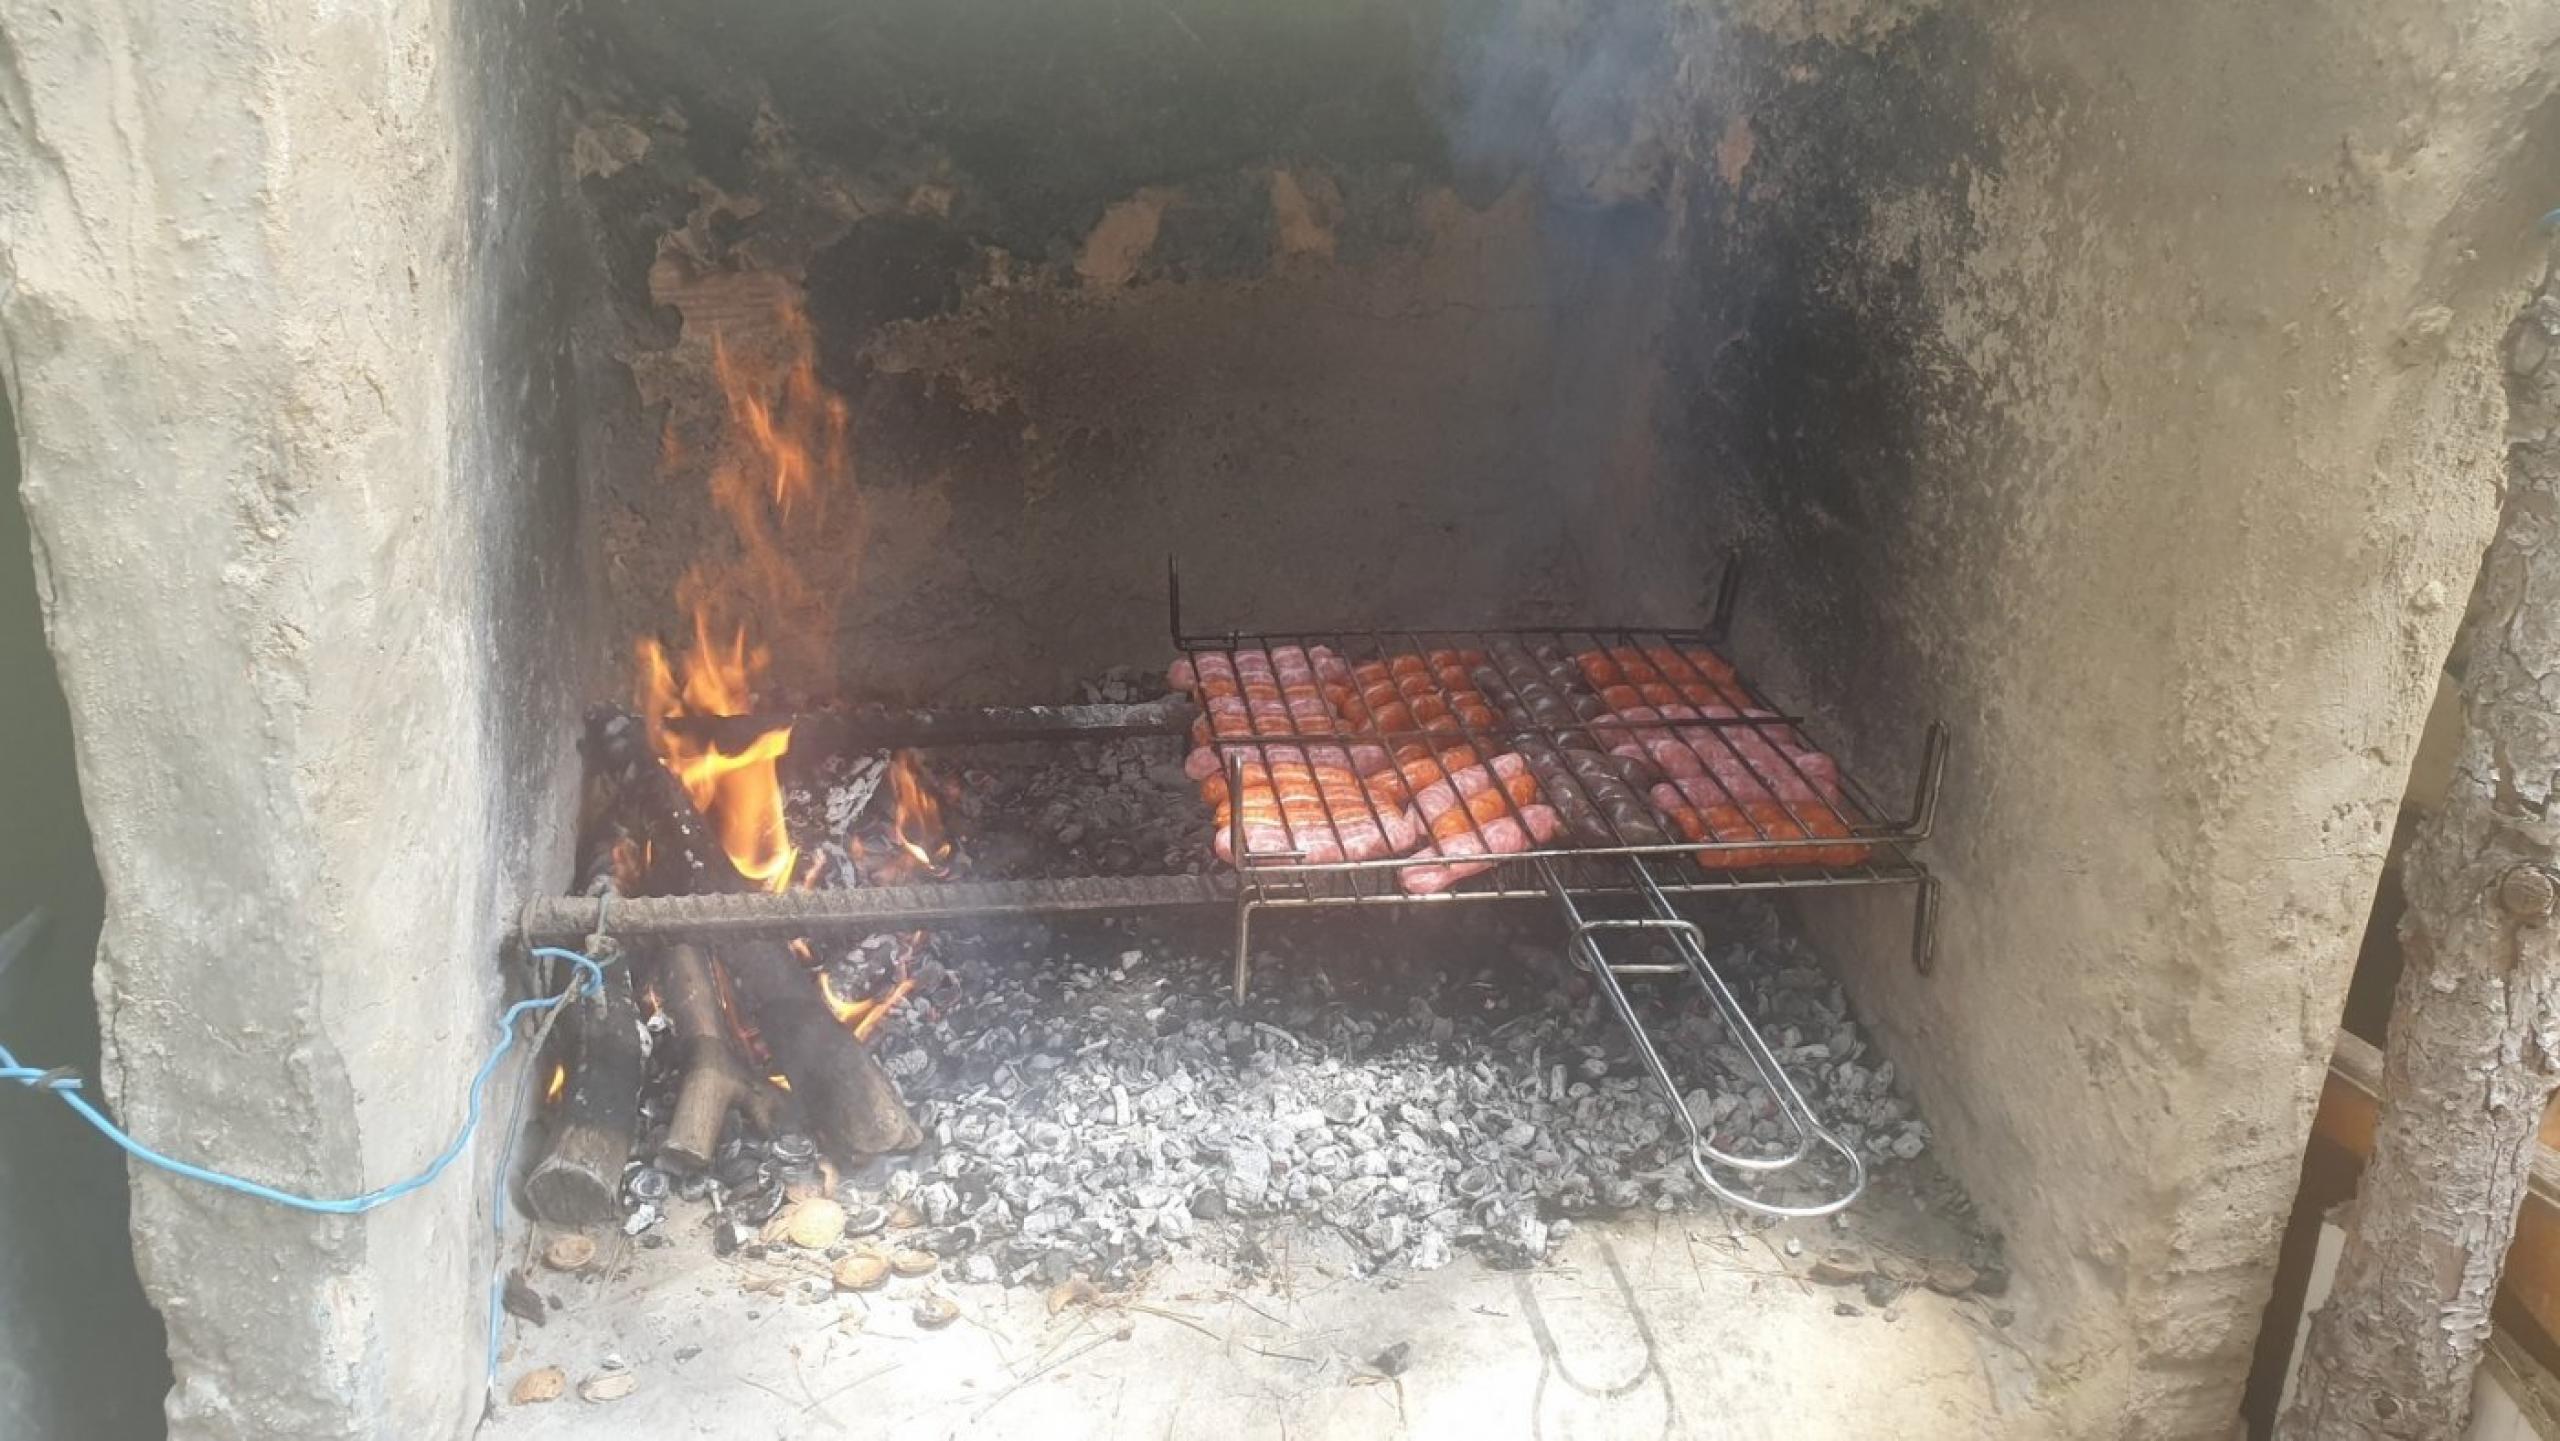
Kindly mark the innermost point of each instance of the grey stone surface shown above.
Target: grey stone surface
(280, 324)
(2135, 413)
(1112, 296)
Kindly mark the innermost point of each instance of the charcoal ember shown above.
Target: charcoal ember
(1096, 1100)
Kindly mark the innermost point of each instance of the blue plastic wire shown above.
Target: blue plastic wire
(68, 1086)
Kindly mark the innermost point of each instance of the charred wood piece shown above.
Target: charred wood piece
(685, 858)
(596, 1119)
(852, 1105)
(714, 1082)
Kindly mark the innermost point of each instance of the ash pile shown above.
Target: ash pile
(1092, 1098)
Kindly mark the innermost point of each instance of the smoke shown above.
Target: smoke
(1578, 93)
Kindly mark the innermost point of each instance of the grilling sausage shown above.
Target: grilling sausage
(1463, 855)
(1703, 814)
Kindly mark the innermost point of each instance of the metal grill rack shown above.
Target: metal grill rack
(1767, 858)
(1805, 833)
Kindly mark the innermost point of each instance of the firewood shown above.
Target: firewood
(714, 1081)
(596, 1120)
(853, 1106)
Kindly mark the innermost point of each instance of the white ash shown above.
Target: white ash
(1092, 1097)
(1092, 1100)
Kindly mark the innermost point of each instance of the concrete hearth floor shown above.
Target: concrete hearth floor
(1661, 1326)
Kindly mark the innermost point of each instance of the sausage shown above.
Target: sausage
(1318, 814)
(1598, 803)
(1474, 797)
(1461, 856)
(1702, 817)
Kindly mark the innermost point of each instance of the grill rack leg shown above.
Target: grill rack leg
(1704, 1156)
(1244, 944)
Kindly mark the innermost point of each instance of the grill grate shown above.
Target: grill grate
(1785, 821)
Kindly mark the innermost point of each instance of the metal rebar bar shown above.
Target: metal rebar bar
(872, 727)
(553, 919)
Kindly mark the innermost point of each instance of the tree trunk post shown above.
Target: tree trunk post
(2474, 1052)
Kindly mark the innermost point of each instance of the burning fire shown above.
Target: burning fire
(559, 1082)
(741, 793)
(784, 447)
(794, 432)
(918, 825)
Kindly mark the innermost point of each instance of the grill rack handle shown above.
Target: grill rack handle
(1585, 949)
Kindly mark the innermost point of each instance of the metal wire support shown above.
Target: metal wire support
(1662, 921)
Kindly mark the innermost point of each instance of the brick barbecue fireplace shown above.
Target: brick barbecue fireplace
(2075, 431)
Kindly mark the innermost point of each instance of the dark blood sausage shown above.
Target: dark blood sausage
(1597, 802)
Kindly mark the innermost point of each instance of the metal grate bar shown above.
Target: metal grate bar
(560, 920)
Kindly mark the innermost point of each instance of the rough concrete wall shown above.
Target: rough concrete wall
(1307, 296)
(2117, 384)
(274, 327)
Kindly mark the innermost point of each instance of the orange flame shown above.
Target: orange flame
(786, 440)
(785, 445)
(871, 1019)
(739, 794)
(806, 425)
(918, 823)
(846, 1011)
(559, 1082)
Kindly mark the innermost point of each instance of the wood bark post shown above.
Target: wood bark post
(2474, 1051)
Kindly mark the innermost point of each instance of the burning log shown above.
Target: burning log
(596, 1113)
(854, 1109)
(685, 858)
(715, 1082)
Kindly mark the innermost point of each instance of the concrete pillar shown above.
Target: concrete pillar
(279, 325)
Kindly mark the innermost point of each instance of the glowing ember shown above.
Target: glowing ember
(559, 1082)
(863, 1015)
(918, 826)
